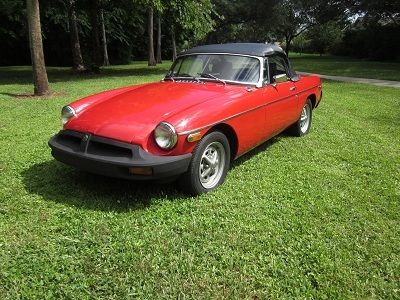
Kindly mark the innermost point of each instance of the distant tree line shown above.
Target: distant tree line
(117, 31)
(370, 29)
(361, 28)
(99, 32)
(88, 34)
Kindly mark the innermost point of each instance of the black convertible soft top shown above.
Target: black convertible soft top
(254, 49)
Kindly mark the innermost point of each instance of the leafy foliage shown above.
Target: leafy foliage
(192, 20)
(206, 21)
(380, 10)
(13, 33)
(324, 38)
(373, 41)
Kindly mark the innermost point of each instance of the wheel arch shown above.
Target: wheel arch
(230, 135)
(313, 100)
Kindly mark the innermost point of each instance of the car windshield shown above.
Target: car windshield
(229, 68)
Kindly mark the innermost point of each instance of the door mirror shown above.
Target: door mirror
(280, 78)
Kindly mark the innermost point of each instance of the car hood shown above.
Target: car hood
(131, 114)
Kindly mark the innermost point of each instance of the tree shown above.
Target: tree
(125, 28)
(380, 10)
(106, 61)
(301, 44)
(158, 57)
(189, 21)
(150, 29)
(80, 25)
(97, 58)
(13, 33)
(173, 39)
(293, 21)
(296, 16)
(77, 60)
(36, 47)
(323, 37)
(243, 21)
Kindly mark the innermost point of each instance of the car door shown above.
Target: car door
(280, 95)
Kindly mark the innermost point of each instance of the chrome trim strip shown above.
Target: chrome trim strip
(301, 92)
(238, 114)
(188, 79)
(216, 53)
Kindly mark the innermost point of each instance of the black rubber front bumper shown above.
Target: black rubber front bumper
(113, 158)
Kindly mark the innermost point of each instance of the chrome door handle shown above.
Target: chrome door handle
(293, 88)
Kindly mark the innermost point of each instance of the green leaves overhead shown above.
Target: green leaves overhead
(191, 22)
(194, 18)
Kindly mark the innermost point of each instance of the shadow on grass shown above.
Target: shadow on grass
(19, 96)
(59, 183)
(23, 75)
(27, 96)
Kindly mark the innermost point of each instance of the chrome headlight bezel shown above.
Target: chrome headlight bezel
(67, 112)
(165, 136)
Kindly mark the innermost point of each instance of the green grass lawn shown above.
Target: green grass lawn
(315, 217)
(344, 66)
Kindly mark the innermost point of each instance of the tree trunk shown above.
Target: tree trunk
(77, 60)
(97, 58)
(288, 44)
(152, 60)
(40, 80)
(106, 61)
(159, 59)
(174, 52)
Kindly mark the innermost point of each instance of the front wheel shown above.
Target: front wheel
(303, 124)
(209, 165)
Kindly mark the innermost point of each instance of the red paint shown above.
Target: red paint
(130, 114)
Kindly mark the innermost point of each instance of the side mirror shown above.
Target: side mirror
(295, 78)
(280, 78)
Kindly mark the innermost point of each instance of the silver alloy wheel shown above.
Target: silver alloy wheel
(305, 118)
(212, 165)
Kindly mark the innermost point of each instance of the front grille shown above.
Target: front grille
(94, 145)
(97, 148)
(70, 141)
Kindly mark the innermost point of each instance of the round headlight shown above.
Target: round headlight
(165, 136)
(67, 113)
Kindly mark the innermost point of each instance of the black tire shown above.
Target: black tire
(204, 175)
(302, 125)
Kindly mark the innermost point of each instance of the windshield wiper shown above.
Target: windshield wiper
(208, 75)
(185, 75)
(169, 77)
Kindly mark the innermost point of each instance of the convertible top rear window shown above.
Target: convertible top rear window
(231, 68)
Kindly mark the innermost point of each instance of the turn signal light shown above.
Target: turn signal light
(147, 171)
(194, 137)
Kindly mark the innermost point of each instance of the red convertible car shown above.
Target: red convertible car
(216, 103)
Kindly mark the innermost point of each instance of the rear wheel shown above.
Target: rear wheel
(209, 165)
(303, 124)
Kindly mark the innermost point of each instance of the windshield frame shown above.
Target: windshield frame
(259, 83)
